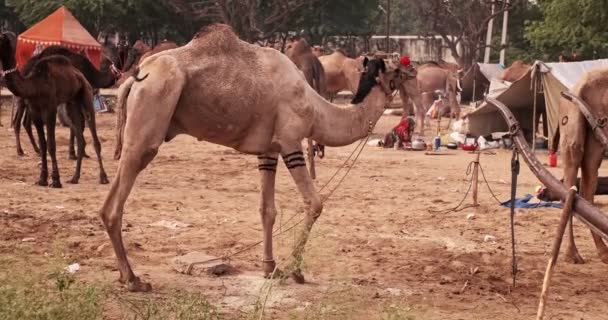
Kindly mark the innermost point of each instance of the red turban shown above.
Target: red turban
(405, 61)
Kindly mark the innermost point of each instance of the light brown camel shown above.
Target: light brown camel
(301, 54)
(341, 72)
(138, 53)
(253, 99)
(581, 149)
(430, 77)
(53, 81)
(514, 72)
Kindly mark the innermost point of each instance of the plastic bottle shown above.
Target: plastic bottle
(552, 159)
(437, 142)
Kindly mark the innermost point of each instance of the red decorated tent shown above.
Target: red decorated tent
(59, 28)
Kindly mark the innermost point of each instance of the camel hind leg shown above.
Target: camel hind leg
(150, 108)
(592, 160)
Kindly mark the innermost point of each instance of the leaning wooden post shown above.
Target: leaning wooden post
(557, 242)
(476, 179)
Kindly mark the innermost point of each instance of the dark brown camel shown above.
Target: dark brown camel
(98, 79)
(53, 81)
(138, 53)
(300, 52)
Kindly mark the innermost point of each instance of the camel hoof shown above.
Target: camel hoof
(72, 157)
(86, 156)
(138, 286)
(20, 153)
(56, 184)
(103, 179)
(298, 277)
(572, 256)
(74, 180)
(42, 183)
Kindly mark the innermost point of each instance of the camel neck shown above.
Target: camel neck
(339, 126)
(18, 85)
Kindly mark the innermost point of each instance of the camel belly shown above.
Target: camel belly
(247, 132)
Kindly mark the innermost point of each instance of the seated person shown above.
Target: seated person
(400, 134)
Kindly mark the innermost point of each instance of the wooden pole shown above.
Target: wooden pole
(388, 26)
(486, 57)
(557, 242)
(535, 84)
(503, 41)
(476, 179)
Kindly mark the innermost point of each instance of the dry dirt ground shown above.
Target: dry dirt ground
(377, 251)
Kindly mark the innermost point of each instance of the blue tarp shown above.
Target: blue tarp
(524, 203)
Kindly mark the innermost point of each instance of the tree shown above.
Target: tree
(460, 23)
(252, 20)
(571, 25)
(148, 19)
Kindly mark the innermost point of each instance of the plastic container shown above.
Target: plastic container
(437, 142)
(552, 159)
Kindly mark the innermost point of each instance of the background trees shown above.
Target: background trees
(539, 29)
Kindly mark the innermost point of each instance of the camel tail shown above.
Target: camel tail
(136, 75)
(121, 119)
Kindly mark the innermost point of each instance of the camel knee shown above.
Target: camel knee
(315, 208)
(268, 214)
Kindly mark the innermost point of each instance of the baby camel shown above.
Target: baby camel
(226, 91)
(53, 81)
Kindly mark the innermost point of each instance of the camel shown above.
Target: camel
(429, 78)
(98, 79)
(515, 72)
(139, 53)
(581, 149)
(341, 72)
(261, 105)
(53, 81)
(301, 54)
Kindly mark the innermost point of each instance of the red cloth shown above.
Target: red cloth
(402, 130)
(405, 61)
(62, 29)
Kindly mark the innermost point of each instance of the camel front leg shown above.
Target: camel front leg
(570, 173)
(311, 158)
(17, 125)
(296, 164)
(267, 165)
(589, 172)
(44, 169)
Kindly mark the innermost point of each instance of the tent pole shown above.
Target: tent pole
(535, 84)
(503, 41)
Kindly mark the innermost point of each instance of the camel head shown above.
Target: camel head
(375, 74)
(8, 45)
(138, 50)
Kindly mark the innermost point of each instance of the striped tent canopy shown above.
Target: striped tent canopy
(59, 28)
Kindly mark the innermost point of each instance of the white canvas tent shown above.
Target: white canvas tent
(476, 81)
(519, 97)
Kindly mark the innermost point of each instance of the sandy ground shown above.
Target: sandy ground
(377, 246)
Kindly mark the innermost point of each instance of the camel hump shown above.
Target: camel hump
(218, 36)
(341, 51)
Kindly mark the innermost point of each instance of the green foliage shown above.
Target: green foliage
(154, 19)
(339, 17)
(24, 297)
(571, 25)
(179, 306)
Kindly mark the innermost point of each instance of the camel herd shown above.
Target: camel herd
(255, 100)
